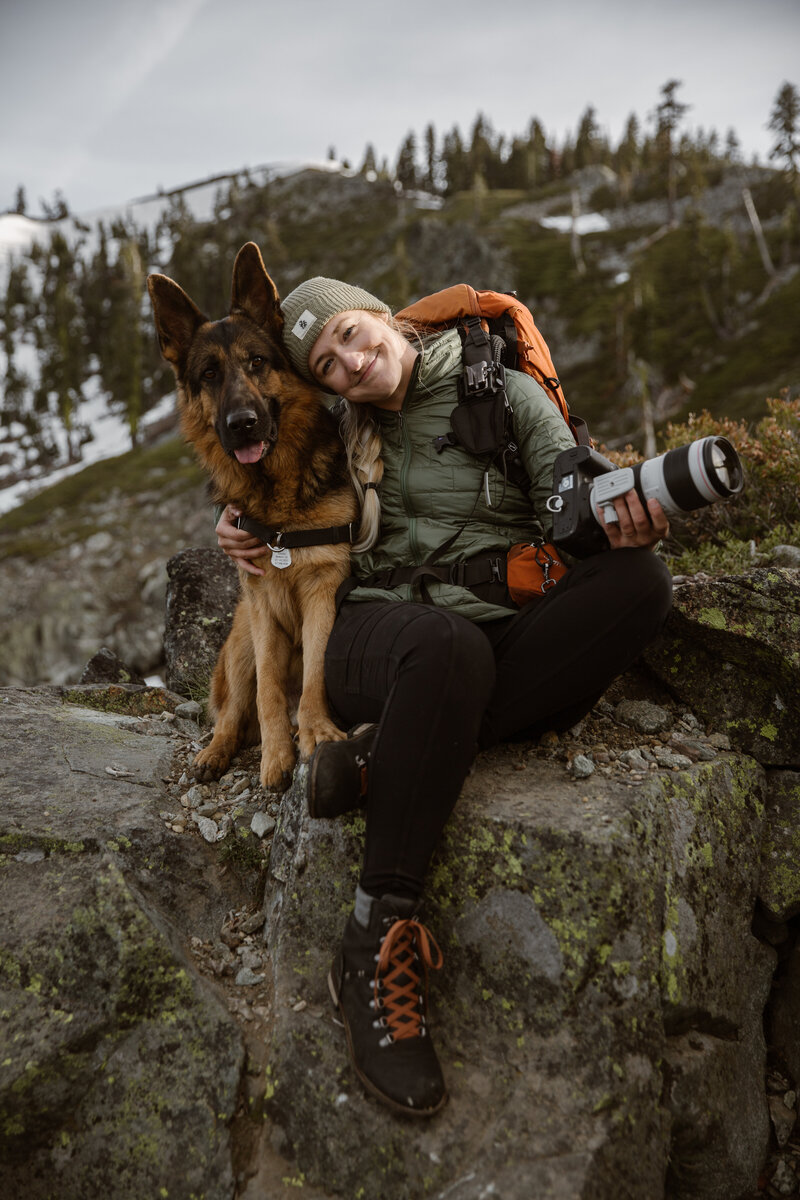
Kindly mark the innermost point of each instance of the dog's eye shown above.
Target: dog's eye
(210, 373)
(257, 361)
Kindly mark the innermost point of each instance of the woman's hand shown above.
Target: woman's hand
(637, 526)
(238, 544)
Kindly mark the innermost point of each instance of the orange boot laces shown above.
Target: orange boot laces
(399, 1001)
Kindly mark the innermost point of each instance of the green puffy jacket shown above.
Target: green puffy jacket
(427, 496)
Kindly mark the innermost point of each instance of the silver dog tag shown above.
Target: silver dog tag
(281, 557)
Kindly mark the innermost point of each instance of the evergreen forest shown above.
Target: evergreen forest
(663, 270)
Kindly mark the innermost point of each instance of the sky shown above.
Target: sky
(110, 101)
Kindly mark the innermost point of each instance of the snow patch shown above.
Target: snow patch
(585, 223)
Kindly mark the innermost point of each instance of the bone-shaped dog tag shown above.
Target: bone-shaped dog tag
(281, 557)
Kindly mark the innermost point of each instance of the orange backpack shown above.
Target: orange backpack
(501, 315)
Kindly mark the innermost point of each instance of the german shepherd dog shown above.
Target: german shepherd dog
(273, 450)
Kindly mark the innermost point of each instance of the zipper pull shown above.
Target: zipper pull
(486, 488)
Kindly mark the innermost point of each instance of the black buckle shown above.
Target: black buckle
(482, 377)
(497, 570)
(457, 573)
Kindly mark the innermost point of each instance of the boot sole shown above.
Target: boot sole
(313, 810)
(368, 1084)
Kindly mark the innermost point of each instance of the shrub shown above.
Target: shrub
(737, 533)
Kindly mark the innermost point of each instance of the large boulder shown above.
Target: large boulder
(202, 593)
(599, 963)
(120, 1069)
(601, 1010)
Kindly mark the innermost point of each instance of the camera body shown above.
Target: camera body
(586, 483)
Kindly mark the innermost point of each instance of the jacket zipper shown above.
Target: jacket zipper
(407, 508)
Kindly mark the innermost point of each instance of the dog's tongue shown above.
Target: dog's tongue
(249, 454)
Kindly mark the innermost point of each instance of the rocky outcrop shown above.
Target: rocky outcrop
(120, 1070)
(600, 1012)
(202, 591)
(105, 588)
(617, 908)
(732, 651)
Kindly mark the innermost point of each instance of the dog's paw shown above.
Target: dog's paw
(277, 766)
(210, 764)
(310, 736)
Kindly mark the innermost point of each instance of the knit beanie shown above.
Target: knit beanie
(307, 310)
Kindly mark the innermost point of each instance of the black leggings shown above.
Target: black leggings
(441, 688)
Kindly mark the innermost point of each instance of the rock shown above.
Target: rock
(779, 887)
(643, 716)
(262, 824)
(731, 650)
(202, 593)
(209, 830)
(670, 760)
(783, 1119)
(120, 1069)
(785, 1013)
(784, 1179)
(190, 710)
(585, 935)
(106, 667)
(582, 766)
(248, 978)
(633, 759)
(600, 1012)
(694, 750)
(785, 556)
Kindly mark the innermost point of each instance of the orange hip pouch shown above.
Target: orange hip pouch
(532, 569)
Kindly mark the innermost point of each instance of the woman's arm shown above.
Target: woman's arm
(240, 546)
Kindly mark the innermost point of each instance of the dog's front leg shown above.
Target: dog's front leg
(272, 653)
(313, 718)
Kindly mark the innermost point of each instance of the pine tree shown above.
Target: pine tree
(15, 310)
(483, 155)
(369, 166)
(733, 148)
(405, 170)
(63, 358)
(669, 114)
(628, 157)
(538, 154)
(430, 178)
(20, 202)
(784, 122)
(587, 140)
(454, 163)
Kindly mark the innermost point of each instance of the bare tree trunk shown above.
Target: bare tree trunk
(763, 249)
(577, 254)
(642, 372)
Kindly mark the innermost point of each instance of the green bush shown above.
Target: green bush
(743, 531)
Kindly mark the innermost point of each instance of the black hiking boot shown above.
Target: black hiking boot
(337, 775)
(378, 982)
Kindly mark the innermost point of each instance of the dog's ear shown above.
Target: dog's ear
(253, 293)
(177, 320)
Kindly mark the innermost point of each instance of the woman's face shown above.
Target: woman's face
(359, 356)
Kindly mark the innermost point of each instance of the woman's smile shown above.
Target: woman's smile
(360, 356)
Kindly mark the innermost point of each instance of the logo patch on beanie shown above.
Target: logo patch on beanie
(303, 324)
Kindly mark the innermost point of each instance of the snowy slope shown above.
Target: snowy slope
(18, 233)
(20, 474)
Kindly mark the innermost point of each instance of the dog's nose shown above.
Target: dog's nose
(242, 420)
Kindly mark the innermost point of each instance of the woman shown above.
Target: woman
(439, 673)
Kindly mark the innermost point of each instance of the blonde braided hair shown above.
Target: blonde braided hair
(362, 438)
